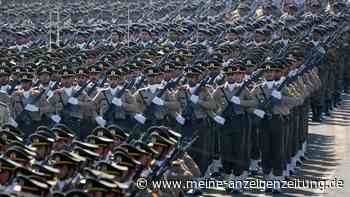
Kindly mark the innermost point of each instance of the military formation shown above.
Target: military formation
(95, 95)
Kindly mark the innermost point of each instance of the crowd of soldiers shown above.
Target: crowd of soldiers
(96, 95)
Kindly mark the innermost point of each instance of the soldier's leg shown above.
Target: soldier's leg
(200, 150)
(254, 150)
(277, 147)
(266, 157)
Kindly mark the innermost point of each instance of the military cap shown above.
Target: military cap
(66, 158)
(19, 154)
(104, 186)
(8, 164)
(84, 145)
(117, 132)
(248, 63)
(232, 69)
(100, 141)
(270, 66)
(76, 193)
(30, 185)
(40, 140)
(152, 71)
(55, 67)
(25, 77)
(9, 137)
(44, 69)
(243, 6)
(132, 151)
(114, 72)
(47, 171)
(111, 168)
(123, 159)
(82, 71)
(4, 71)
(62, 133)
(212, 65)
(145, 147)
(159, 140)
(192, 71)
(85, 153)
(94, 69)
(66, 73)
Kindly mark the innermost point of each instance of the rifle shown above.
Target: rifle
(108, 115)
(311, 61)
(158, 172)
(69, 106)
(231, 107)
(188, 112)
(97, 84)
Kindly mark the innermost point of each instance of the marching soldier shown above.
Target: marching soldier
(197, 103)
(68, 103)
(116, 104)
(29, 105)
(234, 99)
(272, 125)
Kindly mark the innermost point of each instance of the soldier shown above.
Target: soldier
(7, 170)
(67, 163)
(4, 83)
(197, 104)
(234, 100)
(69, 103)
(29, 105)
(273, 130)
(116, 104)
(157, 103)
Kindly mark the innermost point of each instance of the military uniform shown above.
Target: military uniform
(29, 107)
(235, 141)
(69, 108)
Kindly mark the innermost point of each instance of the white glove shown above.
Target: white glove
(73, 101)
(194, 99)
(56, 118)
(117, 101)
(158, 101)
(259, 113)
(13, 122)
(292, 73)
(276, 94)
(219, 120)
(180, 119)
(49, 93)
(31, 108)
(236, 100)
(140, 118)
(100, 121)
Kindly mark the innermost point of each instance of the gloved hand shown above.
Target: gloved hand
(259, 113)
(158, 101)
(219, 120)
(140, 118)
(31, 108)
(73, 101)
(276, 94)
(194, 99)
(100, 121)
(56, 118)
(236, 100)
(117, 102)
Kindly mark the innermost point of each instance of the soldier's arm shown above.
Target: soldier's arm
(291, 100)
(140, 103)
(85, 101)
(208, 102)
(248, 100)
(171, 102)
(54, 100)
(131, 103)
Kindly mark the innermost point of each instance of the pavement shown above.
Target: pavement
(328, 154)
